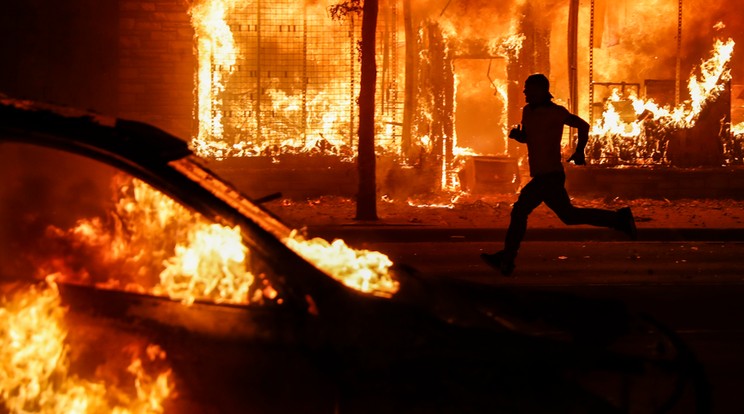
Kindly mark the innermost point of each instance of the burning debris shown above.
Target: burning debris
(35, 367)
(644, 137)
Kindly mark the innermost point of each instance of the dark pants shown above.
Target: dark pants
(550, 188)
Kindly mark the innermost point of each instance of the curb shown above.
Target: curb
(420, 233)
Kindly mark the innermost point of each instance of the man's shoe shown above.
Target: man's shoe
(627, 223)
(501, 261)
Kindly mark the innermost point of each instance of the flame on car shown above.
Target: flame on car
(35, 373)
(151, 244)
(364, 270)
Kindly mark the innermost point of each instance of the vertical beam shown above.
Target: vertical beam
(591, 63)
(677, 72)
(352, 74)
(305, 79)
(409, 100)
(573, 45)
(259, 92)
(366, 163)
(448, 126)
(573, 51)
(394, 106)
(384, 78)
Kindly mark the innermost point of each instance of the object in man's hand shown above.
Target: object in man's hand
(578, 158)
(517, 133)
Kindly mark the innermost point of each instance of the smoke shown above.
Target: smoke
(481, 19)
(704, 21)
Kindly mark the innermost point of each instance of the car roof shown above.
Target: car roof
(75, 129)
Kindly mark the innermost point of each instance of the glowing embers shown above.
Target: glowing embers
(636, 131)
(35, 361)
(449, 205)
(149, 243)
(363, 270)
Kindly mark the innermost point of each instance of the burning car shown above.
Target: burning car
(134, 229)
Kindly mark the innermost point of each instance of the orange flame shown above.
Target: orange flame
(445, 205)
(154, 241)
(306, 107)
(508, 47)
(614, 134)
(35, 364)
(363, 270)
(738, 129)
(216, 56)
(209, 251)
(195, 259)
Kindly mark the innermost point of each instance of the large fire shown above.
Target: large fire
(151, 244)
(639, 140)
(217, 55)
(276, 80)
(35, 374)
(270, 82)
(210, 264)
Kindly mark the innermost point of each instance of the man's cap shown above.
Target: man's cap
(539, 81)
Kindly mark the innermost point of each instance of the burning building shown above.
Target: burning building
(266, 80)
(277, 78)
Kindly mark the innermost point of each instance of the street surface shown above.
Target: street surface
(696, 288)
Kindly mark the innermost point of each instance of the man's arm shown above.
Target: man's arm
(583, 128)
(518, 134)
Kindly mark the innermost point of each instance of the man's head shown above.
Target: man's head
(537, 89)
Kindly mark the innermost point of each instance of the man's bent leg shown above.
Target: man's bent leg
(557, 200)
(529, 198)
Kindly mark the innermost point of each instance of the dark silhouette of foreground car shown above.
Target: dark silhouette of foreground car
(313, 344)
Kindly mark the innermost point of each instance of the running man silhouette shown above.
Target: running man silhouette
(541, 129)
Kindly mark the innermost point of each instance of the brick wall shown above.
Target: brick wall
(156, 64)
(63, 52)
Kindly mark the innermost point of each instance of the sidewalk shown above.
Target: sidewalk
(485, 218)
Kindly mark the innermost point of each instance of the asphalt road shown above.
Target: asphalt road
(696, 288)
(579, 263)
